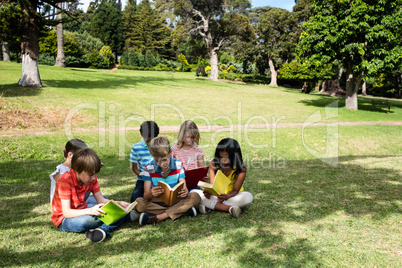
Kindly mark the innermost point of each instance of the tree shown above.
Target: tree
(147, 31)
(34, 18)
(60, 59)
(362, 36)
(277, 33)
(215, 21)
(107, 25)
(10, 26)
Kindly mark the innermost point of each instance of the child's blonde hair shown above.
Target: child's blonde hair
(188, 126)
(159, 147)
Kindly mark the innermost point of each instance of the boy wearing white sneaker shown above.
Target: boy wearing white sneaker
(70, 212)
(164, 168)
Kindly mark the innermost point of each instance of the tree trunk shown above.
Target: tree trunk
(60, 59)
(30, 72)
(214, 65)
(364, 88)
(352, 87)
(6, 51)
(30, 49)
(274, 73)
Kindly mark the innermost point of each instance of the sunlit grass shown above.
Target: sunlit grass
(305, 213)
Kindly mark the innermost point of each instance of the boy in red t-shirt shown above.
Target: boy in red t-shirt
(70, 212)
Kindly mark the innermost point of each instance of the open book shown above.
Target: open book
(193, 176)
(221, 183)
(115, 212)
(170, 195)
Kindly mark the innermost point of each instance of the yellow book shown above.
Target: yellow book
(170, 195)
(115, 212)
(221, 183)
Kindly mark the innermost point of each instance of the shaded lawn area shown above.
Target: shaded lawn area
(306, 213)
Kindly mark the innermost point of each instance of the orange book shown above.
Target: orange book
(170, 195)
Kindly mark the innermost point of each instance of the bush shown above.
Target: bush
(231, 69)
(200, 71)
(97, 61)
(162, 67)
(88, 42)
(141, 60)
(106, 52)
(150, 60)
(72, 47)
(208, 68)
(46, 59)
(227, 76)
(124, 59)
(83, 61)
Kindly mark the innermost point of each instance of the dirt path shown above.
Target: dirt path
(202, 128)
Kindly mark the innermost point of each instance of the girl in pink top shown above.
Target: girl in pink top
(187, 148)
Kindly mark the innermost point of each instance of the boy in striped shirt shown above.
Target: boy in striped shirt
(140, 155)
(164, 168)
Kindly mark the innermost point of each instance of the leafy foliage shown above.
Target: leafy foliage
(363, 37)
(107, 25)
(72, 47)
(145, 30)
(88, 42)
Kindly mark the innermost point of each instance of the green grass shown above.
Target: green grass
(305, 212)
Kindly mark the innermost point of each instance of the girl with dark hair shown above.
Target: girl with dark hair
(71, 147)
(229, 160)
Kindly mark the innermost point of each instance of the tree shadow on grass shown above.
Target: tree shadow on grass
(303, 192)
(364, 103)
(104, 81)
(15, 90)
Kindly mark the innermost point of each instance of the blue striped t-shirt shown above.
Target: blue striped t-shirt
(154, 174)
(140, 155)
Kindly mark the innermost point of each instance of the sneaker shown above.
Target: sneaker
(203, 209)
(192, 212)
(134, 215)
(235, 211)
(146, 218)
(95, 235)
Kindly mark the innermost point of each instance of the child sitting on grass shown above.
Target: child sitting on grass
(228, 159)
(70, 212)
(187, 148)
(71, 147)
(164, 168)
(140, 155)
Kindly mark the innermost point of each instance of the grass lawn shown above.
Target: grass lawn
(305, 212)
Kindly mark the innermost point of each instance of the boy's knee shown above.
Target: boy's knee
(141, 202)
(195, 197)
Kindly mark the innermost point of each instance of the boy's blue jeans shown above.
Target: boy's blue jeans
(86, 222)
(138, 190)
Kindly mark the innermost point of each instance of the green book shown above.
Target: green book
(115, 212)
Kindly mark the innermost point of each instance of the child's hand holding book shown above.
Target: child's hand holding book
(157, 191)
(96, 210)
(183, 193)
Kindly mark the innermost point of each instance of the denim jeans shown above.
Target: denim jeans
(86, 222)
(91, 201)
(138, 190)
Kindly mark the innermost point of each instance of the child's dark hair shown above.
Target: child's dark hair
(73, 146)
(86, 160)
(232, 147)
(149, 129)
